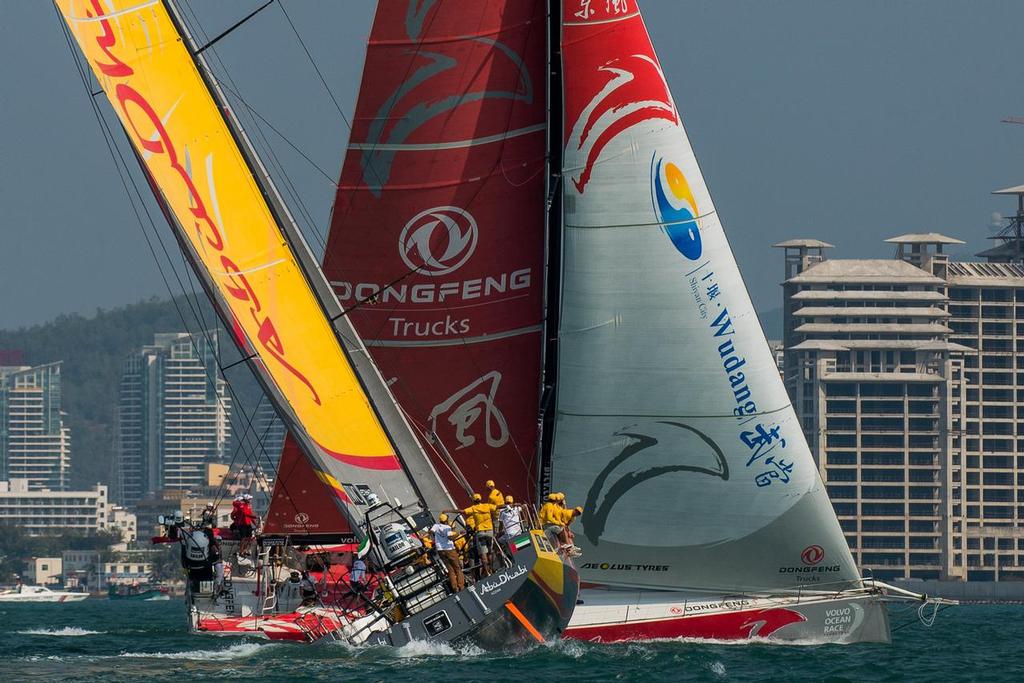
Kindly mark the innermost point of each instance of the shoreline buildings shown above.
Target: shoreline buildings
(35, 443)
(907, 375)
(173, 416)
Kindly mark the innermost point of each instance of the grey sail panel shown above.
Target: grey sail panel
(673, 427)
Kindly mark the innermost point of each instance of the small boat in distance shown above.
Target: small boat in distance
(22, 593)
(115, 592)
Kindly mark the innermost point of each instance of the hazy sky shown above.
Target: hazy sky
(851, 121)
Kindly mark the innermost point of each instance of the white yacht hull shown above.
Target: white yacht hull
(611, 616)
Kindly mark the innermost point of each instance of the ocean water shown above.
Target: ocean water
(98, 640)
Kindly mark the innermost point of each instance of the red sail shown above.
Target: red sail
(437, 234)
(302, 504)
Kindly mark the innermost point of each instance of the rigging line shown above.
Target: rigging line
(123, 173)
(315, 67)
(192, 306)
(234, 90)
(277, 132)
(231, 28)
(368, 154)
(197, 28)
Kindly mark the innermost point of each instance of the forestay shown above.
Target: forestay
(674, 430)
(245, 250)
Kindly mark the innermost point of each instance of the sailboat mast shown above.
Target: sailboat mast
(552, 247)
(422, 475)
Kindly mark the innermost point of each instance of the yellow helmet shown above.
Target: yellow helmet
(476, 498)
(552, 497)
(489, 484)
(559, 496)
(508, 500)
(442, 518)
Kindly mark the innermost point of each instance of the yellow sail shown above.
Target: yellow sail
(168, 112)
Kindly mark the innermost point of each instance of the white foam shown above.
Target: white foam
(423, 648)
(569, 648)
(67, 631)
(233, 652)
(718, 668)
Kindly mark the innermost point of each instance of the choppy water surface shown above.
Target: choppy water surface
(97, 640)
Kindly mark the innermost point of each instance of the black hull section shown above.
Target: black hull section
(516, 608)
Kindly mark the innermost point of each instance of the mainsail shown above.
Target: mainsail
(249, 255)
(673, 428)
(436, 246)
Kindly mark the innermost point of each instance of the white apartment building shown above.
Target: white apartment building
(35, 444)
(42, 512)
(904, 372)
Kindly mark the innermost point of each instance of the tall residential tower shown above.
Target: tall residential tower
(173, 416)
(35, 444)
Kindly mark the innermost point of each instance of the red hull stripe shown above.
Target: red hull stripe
(742, 625)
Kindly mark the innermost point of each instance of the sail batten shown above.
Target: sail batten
(673, 428)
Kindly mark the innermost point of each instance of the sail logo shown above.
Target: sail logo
(427, 94)
(470, 404)
(668, 447)
(812, 555)
(438, 241)
(676, 208)
(635, 92)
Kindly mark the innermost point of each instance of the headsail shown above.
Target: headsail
(247, 253)
(673, 429)
(437, 234)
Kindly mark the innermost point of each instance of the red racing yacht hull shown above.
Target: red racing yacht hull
(614, 616)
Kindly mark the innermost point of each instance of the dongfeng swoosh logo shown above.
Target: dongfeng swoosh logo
(439, 240)
(707, 459)
(403, 112)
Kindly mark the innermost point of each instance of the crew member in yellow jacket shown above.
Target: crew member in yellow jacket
(480, 517)
(494, 495)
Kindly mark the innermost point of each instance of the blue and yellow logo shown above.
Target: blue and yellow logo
(679, 222)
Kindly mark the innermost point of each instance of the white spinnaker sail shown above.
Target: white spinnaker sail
(674, 429)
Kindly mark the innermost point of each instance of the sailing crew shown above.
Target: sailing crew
(357, 575)
(510, 519)
(444, 536)
(215, 555)
(568, 515)
(552, 519)
(210, 515)
(494, 496)
(247, 521)
(236, 513)
(480, 516)
(307, 588)
(195, 556)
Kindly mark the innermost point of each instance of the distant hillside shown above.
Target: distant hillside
(93, 349)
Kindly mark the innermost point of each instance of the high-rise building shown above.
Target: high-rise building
(173, 416)
(35, 444)
(908, 377)
(269, 430)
